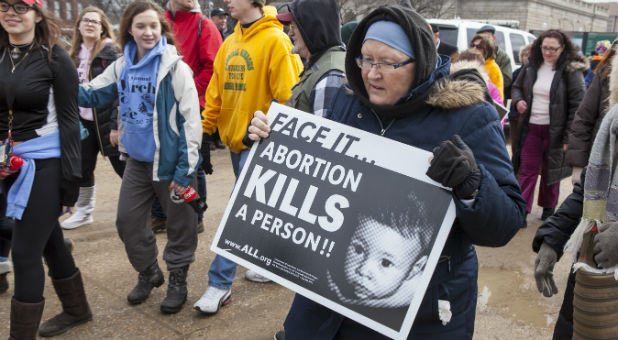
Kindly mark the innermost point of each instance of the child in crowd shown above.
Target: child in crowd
(160, 132)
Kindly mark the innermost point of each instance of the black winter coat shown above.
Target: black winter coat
(588, 119)
(105, 116)
(566, 92)
(557, 229)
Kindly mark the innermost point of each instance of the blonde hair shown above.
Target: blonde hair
(106, 32)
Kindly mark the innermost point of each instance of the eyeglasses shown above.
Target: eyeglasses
(19, 8)
(366, 65)
(87, 21)
(477, 46)
(551, 49)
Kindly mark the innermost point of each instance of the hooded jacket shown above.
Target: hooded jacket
(200, 53)
(254, 66)
(175, 118)
(437, 107)
(318, 23)
(566, 93)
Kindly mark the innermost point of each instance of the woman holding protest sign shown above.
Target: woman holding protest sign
(400, 88)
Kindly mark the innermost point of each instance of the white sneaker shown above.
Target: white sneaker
(213, 299)
(5, 267)
(76, 220)
(255, 277)
(83, 209)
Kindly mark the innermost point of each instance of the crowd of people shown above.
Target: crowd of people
(171, 84)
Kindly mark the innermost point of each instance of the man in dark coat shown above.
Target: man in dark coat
(442, 46)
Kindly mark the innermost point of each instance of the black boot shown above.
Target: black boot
(75, 308)
(547, 212)
(176, 291)
(146, 281)
(25, 319)
(4, 283)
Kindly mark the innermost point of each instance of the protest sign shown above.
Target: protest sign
(342, 216)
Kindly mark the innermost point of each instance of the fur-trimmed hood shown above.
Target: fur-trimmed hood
(453, 92)
(579, 63)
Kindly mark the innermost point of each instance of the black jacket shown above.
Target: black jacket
(566, 93)
(105, 116)
(588, 120)
(318, 23)
(447, 49)
(557, 229)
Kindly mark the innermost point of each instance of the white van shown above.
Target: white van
(460, 32)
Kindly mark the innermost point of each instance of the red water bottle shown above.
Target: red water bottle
(15, 163)
(191, 197)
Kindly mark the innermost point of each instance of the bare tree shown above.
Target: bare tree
(357, 9)
(434, 8)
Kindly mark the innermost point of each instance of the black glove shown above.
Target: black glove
(544, 270)
(606, 245)
(245, 139)
(205, 151)
(453, 166)
(69, 192)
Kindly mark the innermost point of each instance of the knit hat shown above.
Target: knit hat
(602, 46)
(391, 34)
(346, 31)
(33, 2)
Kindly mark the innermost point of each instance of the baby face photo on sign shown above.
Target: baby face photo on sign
(388, 249)
(379, 270)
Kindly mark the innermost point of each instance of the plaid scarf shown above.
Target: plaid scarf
(600, 187)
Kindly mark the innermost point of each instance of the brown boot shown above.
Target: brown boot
(25, 319)
(75, 309)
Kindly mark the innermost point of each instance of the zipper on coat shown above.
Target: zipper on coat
(96, 121)
(382, 128)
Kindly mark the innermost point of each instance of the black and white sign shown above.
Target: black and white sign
(344, 217)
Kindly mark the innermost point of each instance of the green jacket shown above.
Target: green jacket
(332, 59)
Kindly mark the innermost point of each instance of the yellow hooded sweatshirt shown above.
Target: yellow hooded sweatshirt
(253, 66)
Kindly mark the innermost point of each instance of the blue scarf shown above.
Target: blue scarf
(136, 89)
(43, 147)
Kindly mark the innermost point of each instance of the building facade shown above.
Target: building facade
(532, 15)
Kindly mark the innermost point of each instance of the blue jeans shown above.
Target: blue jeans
(157, 211)
(222, 271)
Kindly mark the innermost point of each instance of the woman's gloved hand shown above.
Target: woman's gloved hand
(453, 166)
(544, 270)
(606, 245)
(205, 151)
